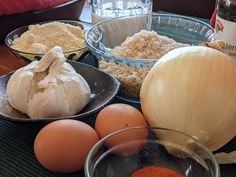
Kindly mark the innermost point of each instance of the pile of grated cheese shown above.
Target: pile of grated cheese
(41, 38)
(145, 45)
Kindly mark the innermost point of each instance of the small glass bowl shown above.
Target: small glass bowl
(75, 55)
(123, 152)
(104, 36)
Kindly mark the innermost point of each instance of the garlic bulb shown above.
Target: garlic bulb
(193, 90)
(48, 88)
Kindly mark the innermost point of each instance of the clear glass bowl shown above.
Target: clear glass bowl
(104, 36)
(75, 55)
(121, 153)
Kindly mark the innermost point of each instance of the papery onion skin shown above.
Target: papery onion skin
(193, 90)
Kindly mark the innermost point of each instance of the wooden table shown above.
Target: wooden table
(8, 61)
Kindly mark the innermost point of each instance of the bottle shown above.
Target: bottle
(225, 25)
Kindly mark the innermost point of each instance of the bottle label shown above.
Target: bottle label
(226, 31)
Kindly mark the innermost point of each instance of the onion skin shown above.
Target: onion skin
(193, 90)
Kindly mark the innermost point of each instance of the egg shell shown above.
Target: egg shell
(62, 146)
(116, 117)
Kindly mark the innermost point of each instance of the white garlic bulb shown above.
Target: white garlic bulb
(48, 88)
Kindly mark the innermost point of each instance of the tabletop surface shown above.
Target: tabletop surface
(16, 139)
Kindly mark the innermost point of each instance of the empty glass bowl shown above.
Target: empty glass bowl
(122, 153)
(104, 36)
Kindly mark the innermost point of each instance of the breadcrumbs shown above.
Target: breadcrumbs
(145, 45)
(142, 45)
(131, 77)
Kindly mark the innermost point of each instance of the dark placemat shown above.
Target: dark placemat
(16, 151)
(17, 158)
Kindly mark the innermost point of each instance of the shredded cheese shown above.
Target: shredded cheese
(41, 38)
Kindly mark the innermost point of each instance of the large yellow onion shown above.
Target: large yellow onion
(193, 90)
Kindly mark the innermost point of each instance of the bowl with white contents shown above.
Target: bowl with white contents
(31, 42)
(127, 47)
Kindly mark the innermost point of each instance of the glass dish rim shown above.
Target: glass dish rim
(107, 57)
(101, 141)
(43, 22)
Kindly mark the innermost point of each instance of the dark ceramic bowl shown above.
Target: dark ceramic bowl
(67, 11)
(76, 55)
(103, 89)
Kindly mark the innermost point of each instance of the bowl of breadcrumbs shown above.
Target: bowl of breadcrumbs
(128, 47)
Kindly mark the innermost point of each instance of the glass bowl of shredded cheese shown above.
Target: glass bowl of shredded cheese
(31, 42)
(127, 47)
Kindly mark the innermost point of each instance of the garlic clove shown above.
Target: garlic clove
(68, 93)
(55, 55)
(226, 158)
(18, 87)
(56, 98)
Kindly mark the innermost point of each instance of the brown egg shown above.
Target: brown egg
(62, 146)
(117, 117)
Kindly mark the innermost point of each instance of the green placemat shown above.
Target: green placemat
(16, 151)
(17, 158)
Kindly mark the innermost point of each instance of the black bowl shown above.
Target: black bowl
(77, 54)
(67, 11)
(103, 88)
